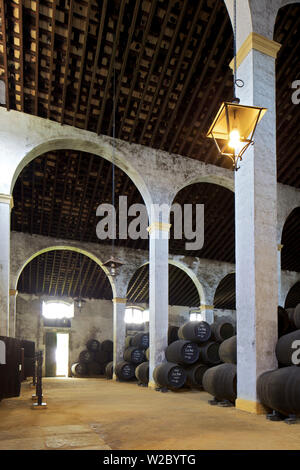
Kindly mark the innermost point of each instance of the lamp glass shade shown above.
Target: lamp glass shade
(232, 117)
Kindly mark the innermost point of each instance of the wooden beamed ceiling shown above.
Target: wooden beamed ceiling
(167, 60)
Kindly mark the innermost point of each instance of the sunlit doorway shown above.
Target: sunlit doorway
(62, 355)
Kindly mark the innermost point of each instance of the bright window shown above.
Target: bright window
(136, 315)
(57, 310)
(195, 316)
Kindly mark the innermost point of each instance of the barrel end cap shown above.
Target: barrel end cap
(250, 406)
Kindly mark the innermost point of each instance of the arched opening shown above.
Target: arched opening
(290, 254)
(184, 293)
(56, 278)
(286, 32)
(219, 216)
(293, 297)
(225, 298)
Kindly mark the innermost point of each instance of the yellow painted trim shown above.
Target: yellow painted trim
(279, 247)
(7, 199)
(119, 300)
(152, 385)
(161, 226)
(259, 43)
(206, 307)
(254, 407)
(13, 292)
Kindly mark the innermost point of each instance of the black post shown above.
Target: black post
(39, 386)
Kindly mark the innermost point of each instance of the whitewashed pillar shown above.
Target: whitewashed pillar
(6, 204)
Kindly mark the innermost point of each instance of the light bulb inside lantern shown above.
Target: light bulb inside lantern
(235, 140)
(113, 269)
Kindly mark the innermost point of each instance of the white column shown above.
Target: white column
(12, 312)
(256, 221)
(158, 294)
(207, 313)
(5, 208)
(119, 305)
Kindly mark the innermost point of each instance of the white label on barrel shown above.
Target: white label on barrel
(127, 371)
(201, 331)
(145, 341)
(137, 355)
(175, 376)
(190, 352)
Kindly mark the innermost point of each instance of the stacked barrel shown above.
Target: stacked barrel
(278, 390)
(135, 364)
(93, 360)
(192, 355)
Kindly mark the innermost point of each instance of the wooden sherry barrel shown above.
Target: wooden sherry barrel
(103, 357)
(86, 356)
(220, 382)
(94, 368)
(222, 330)
(29, 347)
(194, 375)
(10, 376)
(93, 345)
(182, 352)
(140, 340)
(169, 375)
(283, 321)
(173, 334)
(279, 390)
(142, 372)
(297, 316)
(109, 370)
(284, 348)
(128, 341)
(196, 331)
(209, 353)
(79, 369)
(228, 350)
(107, 345)
(125, 371)
(134, 355)
(29, 366)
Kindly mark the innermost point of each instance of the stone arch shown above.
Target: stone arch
(97, 145)
(90, 255)
(198, 285)
(223, 181)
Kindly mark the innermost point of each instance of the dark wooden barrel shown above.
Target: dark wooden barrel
(228, 350)
(29, 366)
(86, 356)
(79, 369)
(93, 345)
(29, 347)
(173, 334)
(134, 355)
(107, 345)
(196, 331)
(125, 370)
(147, 354)
(94, 368)
(297, 316)
(194, 375)
(109, 369)
(103, 357)
(283, 321)
(220, 382)
(10, 376)
(142, 372)
(182, 352)
(222, 330)
(169, 375)
(140, 340)
(209, 353)
(128, 341)
(279, 390)
(284, 350)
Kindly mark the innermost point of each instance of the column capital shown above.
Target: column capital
(206, 307)
(159, 226)
(259, 43)
(13, 292)
(279, 247)
(119, 300)
(7, 199)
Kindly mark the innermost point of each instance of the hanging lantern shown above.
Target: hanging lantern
(113, 264)
(233, 129)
